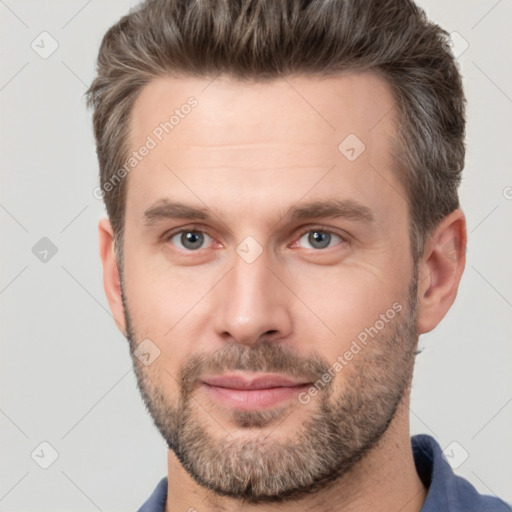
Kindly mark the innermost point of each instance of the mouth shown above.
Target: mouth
(252, 391)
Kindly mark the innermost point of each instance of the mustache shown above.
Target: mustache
(266, 356)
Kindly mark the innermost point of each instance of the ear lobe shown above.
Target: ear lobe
(440, 270)
(111, 279)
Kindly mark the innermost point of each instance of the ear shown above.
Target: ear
(440, 270)
(111, 281)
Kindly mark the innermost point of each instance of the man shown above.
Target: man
(281, 185)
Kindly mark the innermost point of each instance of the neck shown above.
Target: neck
(385, 479)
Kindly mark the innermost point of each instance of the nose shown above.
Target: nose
(253, 303)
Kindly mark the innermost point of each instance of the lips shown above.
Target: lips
(251, 392)
(248, 383)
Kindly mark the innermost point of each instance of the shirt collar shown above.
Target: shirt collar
(447, 491)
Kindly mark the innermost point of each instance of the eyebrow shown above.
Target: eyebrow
(331, 208)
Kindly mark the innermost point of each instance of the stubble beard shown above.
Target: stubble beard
(259, 466)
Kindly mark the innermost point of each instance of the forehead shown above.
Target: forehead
(229, 136)
(230, 111)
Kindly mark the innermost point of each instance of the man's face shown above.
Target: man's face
(297, 271)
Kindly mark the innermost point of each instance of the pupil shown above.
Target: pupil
(319, 240)
(192, 240)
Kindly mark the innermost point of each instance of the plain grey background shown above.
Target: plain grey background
(65, 370)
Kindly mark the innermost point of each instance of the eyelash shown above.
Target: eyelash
(344, 238)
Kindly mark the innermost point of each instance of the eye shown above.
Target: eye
(319, 239)
(190, 240)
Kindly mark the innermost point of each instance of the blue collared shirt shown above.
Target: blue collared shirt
(446, 491)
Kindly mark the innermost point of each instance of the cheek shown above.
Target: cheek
(169, 307)
(343, 302)
(158, 294)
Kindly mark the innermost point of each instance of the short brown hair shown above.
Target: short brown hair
(266, 39)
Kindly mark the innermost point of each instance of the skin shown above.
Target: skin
(247, 153)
